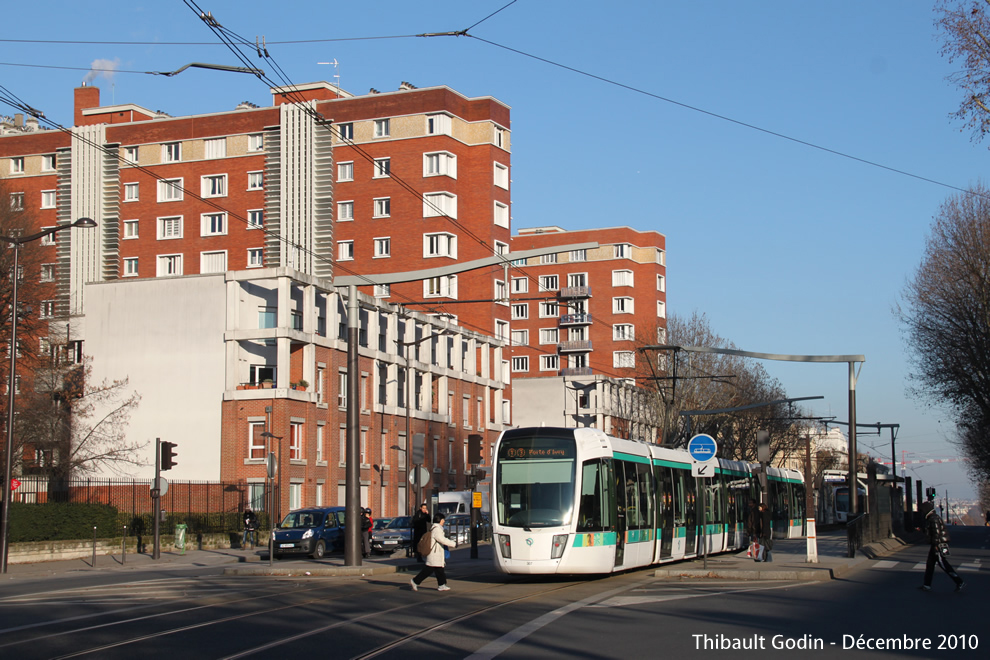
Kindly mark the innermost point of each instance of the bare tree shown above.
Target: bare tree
(964, 29)
(945, 316)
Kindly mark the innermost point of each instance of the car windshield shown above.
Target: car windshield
(302, 520)
(382, 522)
(400, 522)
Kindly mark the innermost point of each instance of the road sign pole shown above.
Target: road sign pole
(156, 500)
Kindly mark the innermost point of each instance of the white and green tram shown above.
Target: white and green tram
(569, 501)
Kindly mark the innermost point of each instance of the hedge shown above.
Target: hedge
(62, 521)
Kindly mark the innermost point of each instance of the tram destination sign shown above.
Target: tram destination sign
(516, 453)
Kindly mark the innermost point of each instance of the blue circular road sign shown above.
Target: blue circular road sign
(702, 447)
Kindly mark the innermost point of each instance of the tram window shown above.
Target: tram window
(644, 479)
(594, 513)
(799, 495)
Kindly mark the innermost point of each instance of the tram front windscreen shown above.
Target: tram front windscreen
(535, 478)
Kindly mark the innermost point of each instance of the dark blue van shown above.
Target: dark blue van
(312, 532)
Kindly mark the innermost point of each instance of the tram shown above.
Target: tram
(575, 500)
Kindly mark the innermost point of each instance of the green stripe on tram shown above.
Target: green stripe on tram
(591, 539)
(618, 455)
(662, 462)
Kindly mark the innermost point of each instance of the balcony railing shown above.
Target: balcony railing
(575, 292)
(575, 346)
(576, 371)
(575, 319)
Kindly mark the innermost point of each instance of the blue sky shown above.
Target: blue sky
(786, 248)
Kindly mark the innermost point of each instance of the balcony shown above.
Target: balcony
(574, 319)
(575, 346)
(575, 292)
(576, 371)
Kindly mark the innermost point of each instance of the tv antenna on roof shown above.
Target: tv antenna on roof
(336, 74)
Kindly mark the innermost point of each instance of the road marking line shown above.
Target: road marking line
(886, 563)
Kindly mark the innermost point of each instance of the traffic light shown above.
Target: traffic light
(474, 449)
(930, 494)
(168, 456)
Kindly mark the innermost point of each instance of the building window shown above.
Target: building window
(549, 336)
(444, 286)
(501, 296)
(345, 211)
(549, 310)
(345, 250)
(501, 330)
(256, 180)
(172, 152)
(661, 283)
(215, 147)
(345, 171)
(131, 191)
(499, 137)
(254, 258)
(440, 245)
(382, 127)
(622, 250)
(47, 309)
(383, 247)
(441, 163)
(319, 443)
(170, 227)
(256, 442)
(256, 142)
(501, 176)
(549, 362)
(520, 311)
(295, 496)
(47, 199)
(213, 262)
(519, 337)
(131, 155)
(577, 279)
(622, 278)
(266, 318)
(170, 190)
(47, 272)
(383, 207)
(214, 185)
(440, 203)
(438, 124)
(342, 392)
(213, 224)
(383, 290)
(622, 305)
(169, 264)
(256, 219)
(48, 239)
(520, 285)
(520, 363)
(130, 267)
(579, 255)
(548, 258)
(17, 165)
(624, 359)
(661, 257)
(346, 131)
(501, 214)
(383, 167)
(17, 201)
(622, 332)
(661, 309)
(295, 441)
(549, 283)
(48, 162)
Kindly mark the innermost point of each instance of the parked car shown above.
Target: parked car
(458, 528)
(380, 522)
(312, 532)
(396, 534)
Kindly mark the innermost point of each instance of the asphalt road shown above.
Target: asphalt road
(196, 612)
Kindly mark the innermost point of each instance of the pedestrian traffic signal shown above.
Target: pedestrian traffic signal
(930, 493)
(168, 456)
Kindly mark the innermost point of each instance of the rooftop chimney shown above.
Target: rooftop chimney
(85, 98)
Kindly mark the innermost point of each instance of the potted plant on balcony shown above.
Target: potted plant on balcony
(301, 384)
(266, 384)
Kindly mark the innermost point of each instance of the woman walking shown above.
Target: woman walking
(435, 559)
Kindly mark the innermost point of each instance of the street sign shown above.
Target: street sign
(418, 448)
(703, 469)
(424, 476)
(702, 447)
(14, 484)
(162, 485)
(476, 500)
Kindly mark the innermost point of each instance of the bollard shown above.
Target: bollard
(93, 565)
(123, 547)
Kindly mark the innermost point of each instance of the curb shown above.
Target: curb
(314, 571)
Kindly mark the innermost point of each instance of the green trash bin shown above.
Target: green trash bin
(180, 538)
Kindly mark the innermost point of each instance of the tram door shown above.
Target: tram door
(665, 511)
(621, 522)
(688, 511)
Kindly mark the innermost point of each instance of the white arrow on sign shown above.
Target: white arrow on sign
(703, 469)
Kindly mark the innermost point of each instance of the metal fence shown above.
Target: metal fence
(204, 507)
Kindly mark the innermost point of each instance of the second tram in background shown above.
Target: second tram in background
(568, 501)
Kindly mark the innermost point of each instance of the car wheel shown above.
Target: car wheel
(320, 551)
(278, 556)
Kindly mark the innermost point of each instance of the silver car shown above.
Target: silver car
(396, 534)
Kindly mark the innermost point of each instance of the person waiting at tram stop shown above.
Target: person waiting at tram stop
(436, 559)
(420, 524)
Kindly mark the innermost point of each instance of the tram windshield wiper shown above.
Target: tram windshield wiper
(527, 529)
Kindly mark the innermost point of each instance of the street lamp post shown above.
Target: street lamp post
(16, 242)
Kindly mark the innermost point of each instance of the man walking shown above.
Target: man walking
(420, 523)
(250, 528)
(938, 550)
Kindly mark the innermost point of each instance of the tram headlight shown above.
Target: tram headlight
(504, 546)
(559, 543)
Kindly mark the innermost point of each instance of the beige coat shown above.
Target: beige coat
(436, 558)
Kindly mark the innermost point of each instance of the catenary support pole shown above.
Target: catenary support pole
(352, 494)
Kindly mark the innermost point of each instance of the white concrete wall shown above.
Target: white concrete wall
(539, 402)
(167, 337)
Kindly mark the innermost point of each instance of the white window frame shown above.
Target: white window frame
(438, 123)
(520, 311)
(500, 214)
(440, 203)
(444, 286)
(383, 290)
(440, 163)
(171, 152)
(346, 130)
(622, 250)
(661, 309)
(498, 137)
(214, 148)
(345, 250)
(345, 211)
(170, 190)
(48, 199)
(383, 128)
(622, 278)
(213, 224)
(170, 227)
(519, 337)
(661, 283)
(256, 142)
(520, 285)
(130, 267)
(623, 305)
(204, 258)
(17, 165)
(213, 185)
(439, 244)
(550, 362)
(578, 255)
(256, 180)
(345, 171)
(501, 330)
(163, 260)
(255, 218)
(623, 332)
(501, 175)
(382, 207)
(48, 272)
(132, 229)
(382, 168)
(549, 309)
(383, 247)
(255, 257)
(549, 283)
(48, 162)
(48, 239)
(549, 336)
(520, 364)
(132, 191)
(624, 359)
